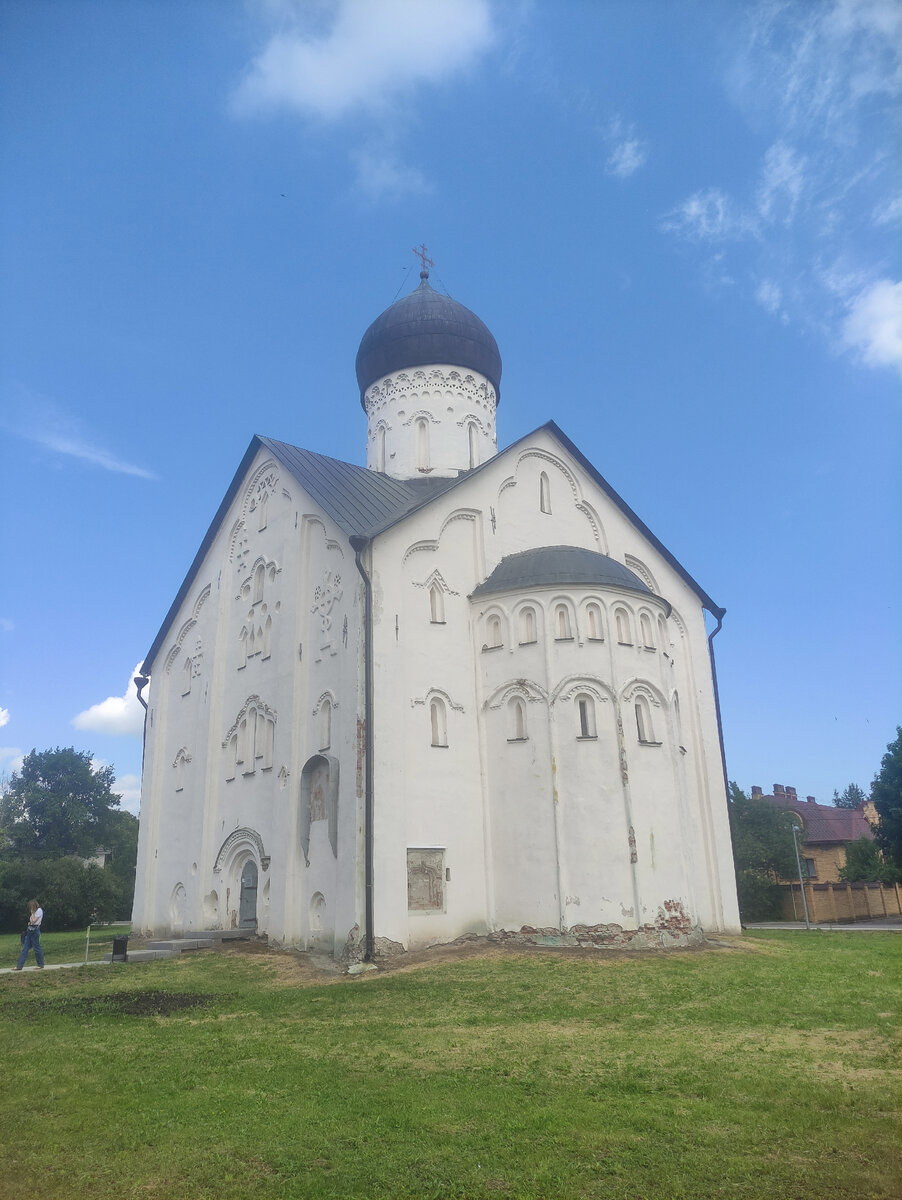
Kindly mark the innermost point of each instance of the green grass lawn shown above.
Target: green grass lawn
(764, 1069)
(65, 947)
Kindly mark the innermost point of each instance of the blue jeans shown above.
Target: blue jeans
(32, 942)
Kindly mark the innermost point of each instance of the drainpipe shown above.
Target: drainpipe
(719, 614)
(141, 682)
(359, 545)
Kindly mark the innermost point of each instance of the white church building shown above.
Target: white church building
(461, 691)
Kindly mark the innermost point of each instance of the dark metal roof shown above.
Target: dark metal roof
(366, 503)
(565, 565)
(425, 327)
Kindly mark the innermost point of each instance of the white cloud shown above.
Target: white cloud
(11, 759)
(889, 213)
(873, 326)
(707, 215)
(117, 715)
(4, 717)
(380, 175)
(129, 788)
(626, 158)
(370, 55)
(46, 424)
(780, 187)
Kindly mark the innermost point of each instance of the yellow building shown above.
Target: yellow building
(826, 830)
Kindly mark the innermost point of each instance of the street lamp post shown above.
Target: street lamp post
(795, 842)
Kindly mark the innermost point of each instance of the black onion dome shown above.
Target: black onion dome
(561, 565)
(422, 328)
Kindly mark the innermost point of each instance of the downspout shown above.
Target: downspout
(141, 682)
(359, 545)
(719, 614)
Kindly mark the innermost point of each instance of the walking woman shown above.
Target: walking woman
(32, 938)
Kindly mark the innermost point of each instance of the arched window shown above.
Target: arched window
(643, 721)
(259, 578)
(593, 622)
(325, 725)
(421, 433)
(544, 494)
(439, 722)
(473, 443)
(527, 626)
(493, 631)
(662, 634)
(267, 637)
(624, 633)
(678, 723)
(186, 676)
(380, 448)
(517, 717)
(648, 636)
(436, 605)
(585, 708)
(242, 648)
(262, 502)
(562, 623)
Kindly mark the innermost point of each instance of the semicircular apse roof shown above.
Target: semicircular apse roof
(564, 565)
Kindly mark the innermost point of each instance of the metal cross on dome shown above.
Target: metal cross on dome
(425, 261)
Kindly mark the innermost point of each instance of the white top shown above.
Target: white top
(36, 917)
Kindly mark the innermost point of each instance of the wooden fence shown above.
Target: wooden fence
(841, 901)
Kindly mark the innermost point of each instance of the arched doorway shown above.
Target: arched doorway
(247, 904)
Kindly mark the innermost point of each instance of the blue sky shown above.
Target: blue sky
(680, 220)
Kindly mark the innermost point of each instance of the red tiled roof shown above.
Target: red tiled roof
(824, 823)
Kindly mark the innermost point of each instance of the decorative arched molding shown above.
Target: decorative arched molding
(526, 689)
(188, 625)
(475, 419)
(640, 569)
(554, 461)
(263, 481)
(415, 547)
(327, 695)
(260, 706)
(510, 482)
(459, 514)
(422, 414)
(240, 840)
(433, 694)
(642, 687)
(181, 756)
(679, 622)
(574, 684)
(313, 770)
(591, 515)
(271, 569)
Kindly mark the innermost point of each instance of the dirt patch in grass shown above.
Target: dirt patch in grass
(125, 1004)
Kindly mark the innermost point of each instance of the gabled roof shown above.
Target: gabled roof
(366, 503)
(823, 823)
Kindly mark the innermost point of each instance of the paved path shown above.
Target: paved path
(50, 966)
(881, 925)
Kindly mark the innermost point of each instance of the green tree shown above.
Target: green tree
(865, 863)
(58, 805)
(850, 797)
(886, 793)
(762, 852)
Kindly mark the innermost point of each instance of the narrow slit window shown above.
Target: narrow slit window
(643, 722)
(585, 707)
(593, 621)
(493, 632)
(544, 494)
(259, 579)
(624, 633)
(186, 676)
(325, 725)
(527, 626)
(517, 710)
(645, 628)
(439, 722)
(562, 623)
(422, 444)
(473, 443)
(436, 605)
(380, 448)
